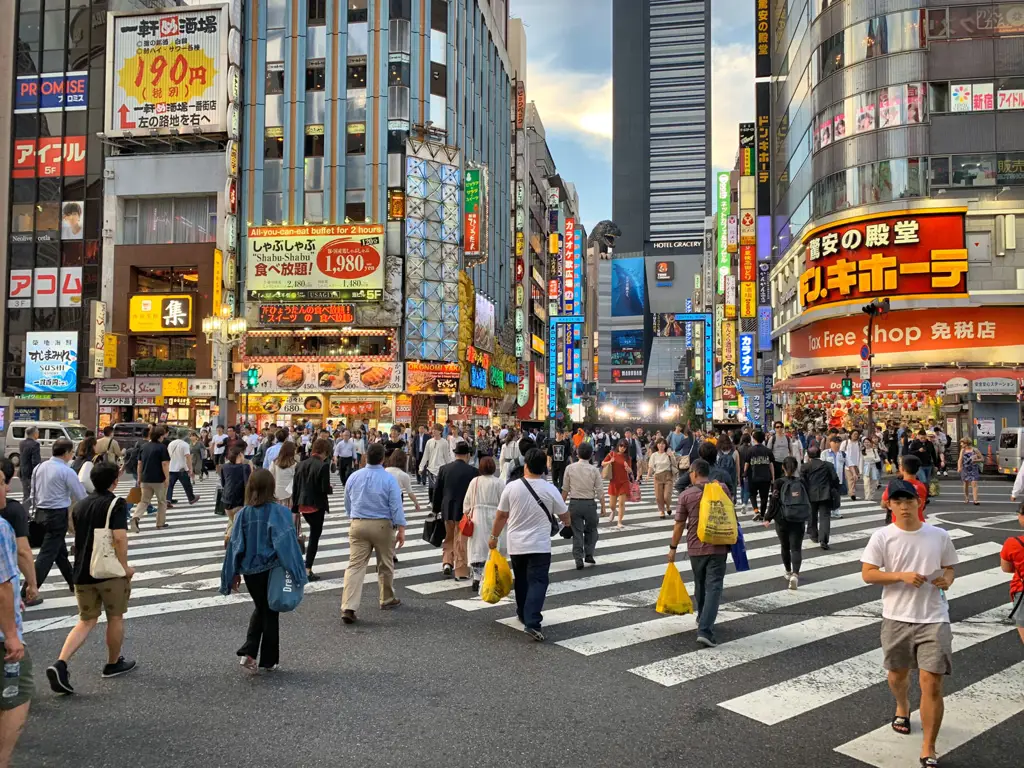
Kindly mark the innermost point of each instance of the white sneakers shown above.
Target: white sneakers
(794, 581)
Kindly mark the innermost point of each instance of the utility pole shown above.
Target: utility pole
(876, 308)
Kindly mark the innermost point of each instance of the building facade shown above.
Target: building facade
(896, 132)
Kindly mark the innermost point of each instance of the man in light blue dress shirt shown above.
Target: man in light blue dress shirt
(268, 458)
(373, 501)
(55, 487)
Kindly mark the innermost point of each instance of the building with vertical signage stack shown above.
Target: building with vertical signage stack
(895, 144)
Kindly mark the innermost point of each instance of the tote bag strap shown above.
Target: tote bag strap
(110, 509)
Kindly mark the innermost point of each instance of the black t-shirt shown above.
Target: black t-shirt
(390, 446)
(90, 514)
(560, 451)
(925, 451)
(15, 514)
(152, 456)
(760, 461)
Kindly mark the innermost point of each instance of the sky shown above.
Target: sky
(569, 76)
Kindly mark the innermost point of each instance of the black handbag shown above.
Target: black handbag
(218, 505)
(434, 530)
(556, 526)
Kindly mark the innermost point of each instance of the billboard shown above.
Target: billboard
(483, 324)
(762, 43)
(344, 262)
(628, 348)
(48, 157)
(306, 314)
(763, 105)
(432, 378)
(160, 313)
(628, 287)
(167, 71)
(72, 215)
(51, 361)
(724, 260)
(665, 324)
(329, 377)
(473, 222)
(45, 287)
(51, 92)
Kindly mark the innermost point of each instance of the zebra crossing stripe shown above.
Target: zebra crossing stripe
(690, 666)
(794, 697)
(969, 713)
(657, 629)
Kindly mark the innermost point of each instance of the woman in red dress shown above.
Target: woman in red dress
(622, 476)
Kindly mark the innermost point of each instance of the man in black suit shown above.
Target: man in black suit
(449, 494)
(28, 453)
(419, 445)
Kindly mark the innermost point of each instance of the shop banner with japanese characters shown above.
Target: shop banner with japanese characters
(51, 361)
(433, 378)
(915, 337)
(329, 377)
(306, 314)
(167, 71)
(915, 254)
(342, 262)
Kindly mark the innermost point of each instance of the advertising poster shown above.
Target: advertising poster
(628, 348)
(432, 378)
(329, 377)
(72, 216)
(167, 70)
(51, 92)
(51, 361)
(48, 157)
(667, 325)
(483, 324)
(471, 225)
(343, 262)
(628, 287)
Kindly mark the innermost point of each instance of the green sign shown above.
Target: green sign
(471, 223)
(724, 260)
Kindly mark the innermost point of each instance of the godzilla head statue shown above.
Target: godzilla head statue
(604, 235)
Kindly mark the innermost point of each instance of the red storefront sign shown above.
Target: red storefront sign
(49, 157)
(903, 255)
(748, 264)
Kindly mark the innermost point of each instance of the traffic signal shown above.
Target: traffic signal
(252, 377)
(847, 388)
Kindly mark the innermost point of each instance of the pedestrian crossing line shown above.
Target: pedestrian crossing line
(70, 601)
(656, 629)
(969, 713)
(637, 574)
(793, 697)
(993, 520)
(693, 665)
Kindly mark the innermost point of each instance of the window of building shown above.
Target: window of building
(314, 207)
(272, 209)
(400, 9)
(48, 217)
(275, 78)
(275, 45)
(316, 78)
(313, 178)
(357, 11)
(354, 211)
(23, 217)
(396, 141)
(162, 220)
(273, 148)
(314, 146)
(316, 44)
(398, 73)
(316, 11)
(439, 15)
(355, 143)
(276, 13)
(166, 347)
(439, 111)
(938, 97)
(974, 170)
(939, 168)
(167, 279)
(315, 107)
(938, 23)
(355, 172)
(356, 110)
(272, 175)
(274, 111)
(399, 36)
(438, 79)
(356, 77)
(398, 103)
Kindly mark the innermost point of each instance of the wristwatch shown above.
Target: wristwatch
(671, 547)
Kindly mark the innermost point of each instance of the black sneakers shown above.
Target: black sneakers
(118, 668)
(60, 678)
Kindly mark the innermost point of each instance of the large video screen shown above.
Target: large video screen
(627, 348)
(628, 287)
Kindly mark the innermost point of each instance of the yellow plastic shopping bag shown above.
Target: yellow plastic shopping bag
(497, 578)
(673, 598)
(717, 521)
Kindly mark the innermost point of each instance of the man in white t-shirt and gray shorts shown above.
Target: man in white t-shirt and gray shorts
(918, 559)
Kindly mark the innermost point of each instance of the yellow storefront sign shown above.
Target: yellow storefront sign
(109, 350)
(218, 279)
(159, 313)
(174, 388)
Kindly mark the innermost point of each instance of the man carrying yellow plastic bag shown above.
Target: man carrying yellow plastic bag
(497, 578)
(708, 515)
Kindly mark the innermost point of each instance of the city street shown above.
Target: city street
(447, 680)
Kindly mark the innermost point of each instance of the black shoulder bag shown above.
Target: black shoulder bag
(556, 526)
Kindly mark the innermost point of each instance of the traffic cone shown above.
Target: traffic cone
(990, 461)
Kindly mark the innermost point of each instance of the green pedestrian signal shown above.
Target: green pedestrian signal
(252, 377)
(847, 388)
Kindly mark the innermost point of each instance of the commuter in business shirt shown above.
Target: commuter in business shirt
(373, 501)
(55, 487)
(344, 456)
(582, 488)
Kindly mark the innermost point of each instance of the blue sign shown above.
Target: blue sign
(865, 353)
(764, 329)
(477, 377)
(865, 387)
(552, 369)
(26, 414)
(709, 363)
(51, 361)
(51, 92)
(746, 355)
(769, 406)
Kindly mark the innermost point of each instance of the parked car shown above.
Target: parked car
(1011, 451)
(128, 433)
(48, 432)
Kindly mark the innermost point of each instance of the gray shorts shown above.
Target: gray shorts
(917, 646)
(1018, 617)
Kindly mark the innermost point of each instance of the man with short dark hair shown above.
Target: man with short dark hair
(449, 494)
(180, 468)
(154, 472)
(107, 448)
(559, 455)
(760, 473)
(55, 487)
(30, 458)
(219, 443)
(100, 510)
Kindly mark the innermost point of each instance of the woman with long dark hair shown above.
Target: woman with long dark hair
(310, 489)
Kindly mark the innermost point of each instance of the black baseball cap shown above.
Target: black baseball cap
(901, 489)
(462, 448)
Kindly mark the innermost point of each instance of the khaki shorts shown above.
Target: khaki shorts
(917, 646)
(26, 683)
(110, 595)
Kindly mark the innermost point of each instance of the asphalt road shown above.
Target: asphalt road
(442, 681)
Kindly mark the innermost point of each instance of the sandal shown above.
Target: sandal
(929, 762)
(901, 725)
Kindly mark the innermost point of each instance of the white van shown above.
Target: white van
(48, 432)
(1011, 451)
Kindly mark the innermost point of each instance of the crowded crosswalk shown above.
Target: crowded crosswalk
(606, 611)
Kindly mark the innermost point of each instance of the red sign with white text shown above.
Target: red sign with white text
(49, 157)
(748, 264)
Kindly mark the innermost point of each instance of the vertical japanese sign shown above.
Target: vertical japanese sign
(97, 336)
(724, 261)
(567, 270)
(764, 329)
(762, 40)
(746, 355)
(730, 296)
(689, 326)
(763, 105)
(729, 355)
(769, 406)
(471, 223)
(748, 134)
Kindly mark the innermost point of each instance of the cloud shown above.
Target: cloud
(732, 100)
(579, 103)
(724, 17)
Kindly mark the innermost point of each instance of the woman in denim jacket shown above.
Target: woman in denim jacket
(262, 538)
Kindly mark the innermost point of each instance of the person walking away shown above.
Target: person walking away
(914, 563)
(835, 456)
(516, 468)
(449, 497)
(55, 488)
(17, 517)
(781, 446)
(154, 474)
(790, 508)
(560, 453)
(82, 465)
(396, 464)
(262, 538)
(19, 687)
(909, 467)
(481, 504)
(759, 471)
(100, 510)
(29, 458)
(234, 475)
(283, 470)
(743, 449)
(969, 466)
(527, 507)
(601, 445)
(620, 480)
(436, 454)
(659, 467)
(582, 489)
(924, 449)
(728, 462)
(107, 448)
(311, 486)
(1011, 560)
(195, 451)
(823, 492)
(708, 561)
(252, 443)
(373, 501)
(181, 469)
(280, 438)
(852, 448)
(869, 467)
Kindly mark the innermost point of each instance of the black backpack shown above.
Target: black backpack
(796, 507)
(515, 470)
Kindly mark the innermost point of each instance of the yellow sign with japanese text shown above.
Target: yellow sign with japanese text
(174, 388)
(160, 313)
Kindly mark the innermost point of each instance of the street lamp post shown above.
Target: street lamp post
(876, 308)
(223, 331)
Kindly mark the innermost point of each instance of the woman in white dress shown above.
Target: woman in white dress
(509, 453)
(481, 505)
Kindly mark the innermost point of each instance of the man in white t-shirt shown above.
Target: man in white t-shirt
(918, 559)
(219, 442)
(529, 536)
(252, 442)
(180, 469)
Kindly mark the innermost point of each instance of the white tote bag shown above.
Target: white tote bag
(104, 563)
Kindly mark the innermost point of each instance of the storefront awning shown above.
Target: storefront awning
(888, 381)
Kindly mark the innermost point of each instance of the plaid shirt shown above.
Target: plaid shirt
(9, 570)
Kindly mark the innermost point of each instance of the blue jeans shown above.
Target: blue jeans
(708, 579)
(530, 573)
(745, 497)
(924, 474)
